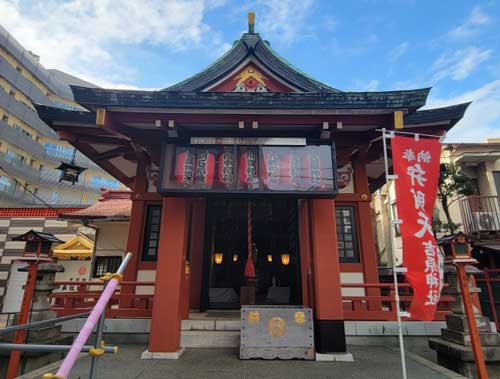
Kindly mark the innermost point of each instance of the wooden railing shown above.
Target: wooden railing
(87, 293)
(366, 305)
(489, 283)
(480, 214)
(382, 306)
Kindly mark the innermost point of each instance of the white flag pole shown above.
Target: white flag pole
(394, 274)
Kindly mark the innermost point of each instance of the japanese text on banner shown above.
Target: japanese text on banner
(416, 164)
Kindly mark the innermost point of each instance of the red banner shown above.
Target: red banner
(416, 164)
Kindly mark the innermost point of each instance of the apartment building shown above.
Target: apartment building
(477, 215)
(30, 151)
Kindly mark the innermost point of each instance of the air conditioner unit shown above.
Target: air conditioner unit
(487, 221)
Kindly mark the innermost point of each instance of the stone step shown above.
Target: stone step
(211, 324)
(214, 339)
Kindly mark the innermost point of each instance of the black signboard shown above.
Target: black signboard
(307, 170)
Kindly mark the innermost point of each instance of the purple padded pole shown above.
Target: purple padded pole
(87, 328)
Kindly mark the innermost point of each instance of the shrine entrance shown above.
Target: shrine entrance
(275, 253)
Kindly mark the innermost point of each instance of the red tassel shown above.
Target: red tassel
(249, 268)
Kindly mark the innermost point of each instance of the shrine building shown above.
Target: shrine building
(251, 184)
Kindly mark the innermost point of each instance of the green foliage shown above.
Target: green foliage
(453, 182)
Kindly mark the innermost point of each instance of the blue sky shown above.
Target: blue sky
(372, 45)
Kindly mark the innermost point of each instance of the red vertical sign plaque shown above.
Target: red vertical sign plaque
(416, 164)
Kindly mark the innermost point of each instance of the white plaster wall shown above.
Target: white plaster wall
(111, 238)
(71, 270)
(145, 276)
(352, 277)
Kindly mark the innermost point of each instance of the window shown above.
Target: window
(346, 234)
(100, 182)
(151, 233)
(23, 131)
(14, 157)
(58, 151)
(19, 69)
(5, 118)
(55, 197)
(5, 183)
(106, 264)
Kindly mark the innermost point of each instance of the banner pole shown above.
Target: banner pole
(394, 274)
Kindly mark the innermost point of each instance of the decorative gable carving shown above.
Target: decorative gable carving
(250, 79)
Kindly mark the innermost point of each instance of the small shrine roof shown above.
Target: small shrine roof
(33, 235)
(114, 205)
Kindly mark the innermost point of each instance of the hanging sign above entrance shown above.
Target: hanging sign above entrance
(255, 166)
(248, 141)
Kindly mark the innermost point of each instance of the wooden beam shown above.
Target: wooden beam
(117, 151)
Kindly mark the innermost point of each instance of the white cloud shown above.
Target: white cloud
(471, 26)
(459, 64)
(482, 119)
(371, 85)
(398, 51)
(81, 37)
(282, 19)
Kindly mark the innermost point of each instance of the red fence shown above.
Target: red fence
(490, 294)
(87, 294)
(366, 302)
(382, 305)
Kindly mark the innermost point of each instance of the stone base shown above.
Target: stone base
(463, 338)
(159, 355)
(340, 357)
(460, 358)
(459, 322)
(276, 353)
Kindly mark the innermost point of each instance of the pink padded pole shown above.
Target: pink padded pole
(87, 328)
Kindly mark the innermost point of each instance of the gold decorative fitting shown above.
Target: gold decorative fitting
(108, 276)
(300, 317)
(276, 327)
(364, 196)
(253, 317)
(96, 352)
(251, 17)
(398, 120)
(51, 376)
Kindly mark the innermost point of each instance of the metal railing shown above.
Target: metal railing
(480, 214)
(21, 140)
(96, 316)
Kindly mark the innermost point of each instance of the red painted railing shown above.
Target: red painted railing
(490, 294)
(381, 307)
(87, 294)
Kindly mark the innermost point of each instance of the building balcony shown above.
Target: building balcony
(18, 168)
(21, 140)
(16, 195)
(481, 216)
(25, 114)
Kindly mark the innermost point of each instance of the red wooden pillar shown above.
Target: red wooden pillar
(366, 237)
(329, 320)
(29, 289)
(135, 232)
(166, 318)
(196, 251)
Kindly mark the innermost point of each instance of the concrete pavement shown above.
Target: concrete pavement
(371, 362)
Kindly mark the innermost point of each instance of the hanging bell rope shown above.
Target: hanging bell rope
(249, 267)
